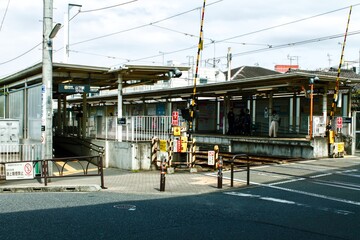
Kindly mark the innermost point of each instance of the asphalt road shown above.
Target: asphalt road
(299, 205)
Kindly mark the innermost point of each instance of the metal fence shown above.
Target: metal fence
(18, 153)
(135, 128)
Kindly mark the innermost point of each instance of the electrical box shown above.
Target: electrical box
(9, 135)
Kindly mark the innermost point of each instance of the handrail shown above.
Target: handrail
(247, 168)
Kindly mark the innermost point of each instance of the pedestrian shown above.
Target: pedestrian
(247, 123)
(231, 121)
(274, 125)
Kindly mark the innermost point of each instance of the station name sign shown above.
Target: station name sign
(75, 88)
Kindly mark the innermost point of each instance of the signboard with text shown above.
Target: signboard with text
(23, 170)
(74, 88)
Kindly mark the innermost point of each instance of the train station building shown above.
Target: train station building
(123, 109)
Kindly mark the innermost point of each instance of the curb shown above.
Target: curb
(14, 189)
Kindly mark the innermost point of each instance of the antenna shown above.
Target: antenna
(291, 58)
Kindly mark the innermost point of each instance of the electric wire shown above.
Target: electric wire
(104, 8)
(3, 19)
(144, 25)
(285, 24)
(245, 34)
(19, 56)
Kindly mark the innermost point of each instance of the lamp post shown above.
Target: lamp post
(67, 31)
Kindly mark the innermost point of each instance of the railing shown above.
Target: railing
(59, 164)
(18, 153)
(136, 128)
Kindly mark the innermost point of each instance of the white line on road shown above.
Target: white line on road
(278, 200)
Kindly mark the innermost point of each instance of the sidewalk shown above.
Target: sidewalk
(182, 182)
(122, 181)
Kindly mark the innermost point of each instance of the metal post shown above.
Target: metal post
(101, 164)
(120, 110)
(220, 174)
(232, 174)
(162, 175)
(248, 173)
(45, 171)
(311, 109)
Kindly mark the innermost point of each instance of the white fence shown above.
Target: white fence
(136, 128)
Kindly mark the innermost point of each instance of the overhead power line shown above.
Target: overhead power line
(2, 63)
(275, 47)
(144, 25)
(104, 8)
(3, 19)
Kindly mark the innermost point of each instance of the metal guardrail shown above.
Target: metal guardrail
(243, 155)
(60, 164)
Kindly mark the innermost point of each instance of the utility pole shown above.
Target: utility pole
(46, 89)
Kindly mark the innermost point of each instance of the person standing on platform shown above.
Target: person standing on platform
(274, 125)
(247, 123)
(231, 121)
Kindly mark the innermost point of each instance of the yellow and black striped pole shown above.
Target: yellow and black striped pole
(333, 105)
(200, 48)
(331, 135)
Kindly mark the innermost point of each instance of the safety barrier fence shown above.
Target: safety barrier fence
(18, 152)
(56, 168)
(134, 128)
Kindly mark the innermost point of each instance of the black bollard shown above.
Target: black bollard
(162, 176)
(220, 174)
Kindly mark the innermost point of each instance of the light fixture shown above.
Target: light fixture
(55, 30)
(67, 81)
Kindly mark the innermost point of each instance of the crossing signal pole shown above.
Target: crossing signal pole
(200, 48)
(330, 132)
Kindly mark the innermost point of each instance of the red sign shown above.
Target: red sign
(175, 118)
(339, 122)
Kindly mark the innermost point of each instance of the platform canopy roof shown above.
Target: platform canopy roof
(278, 84)
(97, 77)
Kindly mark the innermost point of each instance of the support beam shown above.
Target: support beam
(120, 110)
(84, 118)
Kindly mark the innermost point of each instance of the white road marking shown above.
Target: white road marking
(337, 185)
(283, 201)
(321, 175)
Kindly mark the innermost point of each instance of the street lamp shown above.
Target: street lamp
(67, 32)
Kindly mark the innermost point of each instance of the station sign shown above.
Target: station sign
(74, 88)
(23, 170)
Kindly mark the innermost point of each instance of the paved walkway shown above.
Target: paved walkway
(115, 180)
(182, 182)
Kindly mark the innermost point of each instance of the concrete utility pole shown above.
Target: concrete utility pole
(46, 90)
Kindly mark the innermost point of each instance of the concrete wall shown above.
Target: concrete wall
(291, 148)
(126, 155)
(122, 155)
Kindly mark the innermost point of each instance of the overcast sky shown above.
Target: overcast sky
(105, 33)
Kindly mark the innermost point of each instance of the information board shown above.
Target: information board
(23, 170)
